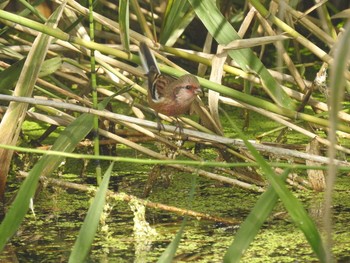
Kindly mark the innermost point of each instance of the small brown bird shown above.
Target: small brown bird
(167, 95)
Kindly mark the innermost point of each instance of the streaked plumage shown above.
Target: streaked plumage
(166, 94)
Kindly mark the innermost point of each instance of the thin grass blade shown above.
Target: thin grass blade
(88, 229)
(124, 23)
(169, 253)
(337, 88)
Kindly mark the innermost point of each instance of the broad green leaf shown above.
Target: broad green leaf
(224, 33)
(294, 207)
(9, 77)
(50, 66)
(88, 229)
(177, 16)
(66, 142)
(252, 224)
(11, 123)
(3, 4)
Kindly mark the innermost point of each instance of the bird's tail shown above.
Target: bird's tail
(148, 61)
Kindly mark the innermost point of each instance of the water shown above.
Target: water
(50, 235)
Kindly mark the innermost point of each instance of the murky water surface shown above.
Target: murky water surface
(50, 234)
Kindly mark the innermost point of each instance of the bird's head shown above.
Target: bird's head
(187, 88)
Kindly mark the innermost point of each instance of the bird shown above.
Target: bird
(168, 95)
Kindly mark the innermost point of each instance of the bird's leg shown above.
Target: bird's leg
(160, 125)
(180, 126)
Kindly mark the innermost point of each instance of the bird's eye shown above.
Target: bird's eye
(188, 87)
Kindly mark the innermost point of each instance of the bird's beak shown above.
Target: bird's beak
(199, 92)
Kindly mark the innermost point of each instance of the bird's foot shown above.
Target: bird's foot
(180, 127)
